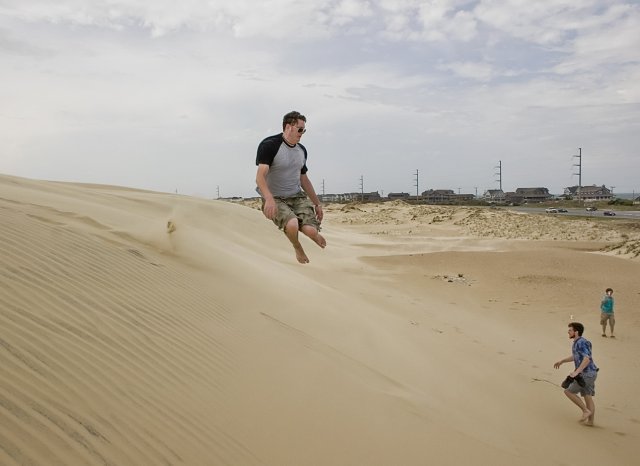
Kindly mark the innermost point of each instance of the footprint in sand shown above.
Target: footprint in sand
(171, 227)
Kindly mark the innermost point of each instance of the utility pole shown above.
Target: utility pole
(322, 187)
(476, 188)
(361, 188)
(579, 165)
(417, 186)
(218, 191)
(499, 173)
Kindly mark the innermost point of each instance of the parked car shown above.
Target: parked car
(591, 209)
(564, 211)
(551, 210)
(609, 213)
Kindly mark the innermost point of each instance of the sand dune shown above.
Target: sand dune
(140, 328)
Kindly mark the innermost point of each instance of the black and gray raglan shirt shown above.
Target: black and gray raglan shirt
(286, 164)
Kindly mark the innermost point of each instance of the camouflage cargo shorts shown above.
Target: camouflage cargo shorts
(298, 206)
(607, 316)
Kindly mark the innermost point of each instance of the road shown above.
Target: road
(627, 214)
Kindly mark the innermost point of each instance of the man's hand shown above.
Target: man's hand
(319, 213)
(270, 209)
(558, 364)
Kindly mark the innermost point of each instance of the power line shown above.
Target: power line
(499, 173)
(579, 165)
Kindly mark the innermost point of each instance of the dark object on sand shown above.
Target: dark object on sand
(566, 382)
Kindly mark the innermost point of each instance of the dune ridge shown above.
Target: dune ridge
(90, 321)
(125, 342)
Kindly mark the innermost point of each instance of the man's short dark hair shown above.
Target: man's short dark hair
(578, 327)
(292, 118)
(608, 289)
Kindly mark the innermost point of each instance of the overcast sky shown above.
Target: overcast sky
(176, 95)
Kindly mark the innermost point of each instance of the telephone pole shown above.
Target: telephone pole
(579, 165)
(361, 188)
(218, 191)
(417, 186)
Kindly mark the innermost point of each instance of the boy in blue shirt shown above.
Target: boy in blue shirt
(585, 369)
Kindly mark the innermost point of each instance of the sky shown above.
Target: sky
(176, 96)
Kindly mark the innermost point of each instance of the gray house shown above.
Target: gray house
(589, 193)
(396, 196)
(534, 194)
(494, 195)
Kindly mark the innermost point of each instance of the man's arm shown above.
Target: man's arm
(580, 368)
(261, 180)
(307, 186)
(562, 361)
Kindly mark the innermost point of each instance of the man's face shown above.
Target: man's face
(293, 132)
(572, 333)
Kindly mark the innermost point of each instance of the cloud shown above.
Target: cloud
(187, 89)
(441, 20)
(612, 43)
(478, 71)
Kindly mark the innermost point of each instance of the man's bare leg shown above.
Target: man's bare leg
(578, 402)
(314, 235)
(291, 231)
(588, 401)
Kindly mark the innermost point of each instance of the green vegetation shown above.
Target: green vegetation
(620, 202)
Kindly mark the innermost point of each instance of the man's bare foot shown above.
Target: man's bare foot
(320, 241)
(300, 254)
(586, 414)
(588, 423)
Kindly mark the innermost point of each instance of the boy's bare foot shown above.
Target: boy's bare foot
(300, 254)
(320, 241)
(586, 414)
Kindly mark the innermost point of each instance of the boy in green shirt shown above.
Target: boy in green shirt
(606, 306)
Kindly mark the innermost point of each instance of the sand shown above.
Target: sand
(141, 328)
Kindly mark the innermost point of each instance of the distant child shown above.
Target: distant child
(606, 306)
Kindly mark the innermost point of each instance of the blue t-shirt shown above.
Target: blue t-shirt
(580, 349)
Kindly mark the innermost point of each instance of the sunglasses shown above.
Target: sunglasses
(302, 130)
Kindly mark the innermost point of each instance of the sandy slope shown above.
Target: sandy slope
(410, 340)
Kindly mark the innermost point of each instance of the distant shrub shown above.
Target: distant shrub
(618, 201)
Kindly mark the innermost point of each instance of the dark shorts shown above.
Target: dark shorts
(298, 206)
(589, 385)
